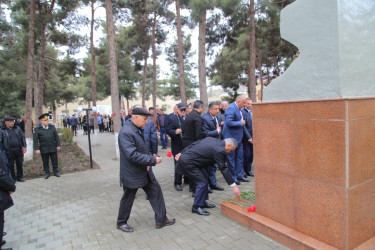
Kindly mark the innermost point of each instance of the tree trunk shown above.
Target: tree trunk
(53, 109)
(113, 73)
(92, 51)
(261, 78)
(180, 55)
(202, 61)
(252, 80)
(154, 63)
(29, 83)
(144, 81)
(39, 100)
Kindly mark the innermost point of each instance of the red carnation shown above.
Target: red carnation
(114, 114)
(32, 167)
(25, 120)
(251, 209)
(169, 154)
(58, 155)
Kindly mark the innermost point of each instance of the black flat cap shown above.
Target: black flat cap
(181, 105)
(9, 118)
(44, 117)
(141, 111)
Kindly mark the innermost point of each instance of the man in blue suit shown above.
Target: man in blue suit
(211, 128)
(248, 145)
(234, 128)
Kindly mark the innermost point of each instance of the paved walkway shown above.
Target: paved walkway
(79, 211)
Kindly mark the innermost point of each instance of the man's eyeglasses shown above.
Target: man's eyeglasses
(183, 110)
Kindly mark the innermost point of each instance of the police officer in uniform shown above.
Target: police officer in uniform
(46, 143)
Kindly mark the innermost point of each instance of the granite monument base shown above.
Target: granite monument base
(315, 172)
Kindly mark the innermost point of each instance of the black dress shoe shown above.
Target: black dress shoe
(217, 188)
(210, 190)
(208, 205)
(46, 176)
(243, 179)
(251, 175)
(193, 195)
(57, 174)
(21, 179)
(178, 187)
(237, 182)
(200, 211)
(126, 228)
(168, 222)
(3, 243)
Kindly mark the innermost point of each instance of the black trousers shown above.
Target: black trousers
(1, 226)
(45, 159)
(248, 156)
(155, 196)
(15, 156)
(74, 129)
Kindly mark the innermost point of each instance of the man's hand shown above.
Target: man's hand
(236, 191)
(148, 168)
(37, 151)
(24, 150)
(178, 131)
(58, 148)
(177, 157)
(243, 122)
(218, 129)
(222, 123)
(250, 140)
(158, 160)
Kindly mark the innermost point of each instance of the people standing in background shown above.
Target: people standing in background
(46, 143)
(248, 144)
(130, 111)
(175, 130)
(234, 128)
(163, 128)
(221, 115)
(73, 123)
(100, 123)
(211, 128)
(91, 124)
(154, 118)
(13, 142)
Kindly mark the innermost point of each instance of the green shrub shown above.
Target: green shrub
(68, 135)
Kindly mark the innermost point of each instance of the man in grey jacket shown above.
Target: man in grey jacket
(136, 172)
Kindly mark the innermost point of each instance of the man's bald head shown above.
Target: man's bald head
(241, 101)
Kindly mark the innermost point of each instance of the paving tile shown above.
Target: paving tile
(79, 211)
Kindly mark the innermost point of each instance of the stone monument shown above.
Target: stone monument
(314, 137)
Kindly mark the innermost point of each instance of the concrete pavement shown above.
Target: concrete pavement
(79, 211)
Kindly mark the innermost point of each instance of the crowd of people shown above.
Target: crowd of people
(200, 143)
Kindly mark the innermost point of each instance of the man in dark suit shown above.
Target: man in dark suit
(163, 128)
(234, 128)
(175, 130)
(211, 128)
(193, 161)
(136, 172)
(193, 125)
(248, 144)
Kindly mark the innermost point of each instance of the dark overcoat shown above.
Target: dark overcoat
(174, 122)
(134, 157)
(46, 140)
(202, 154)
(193, 126)
(4, 137)
(6, 184)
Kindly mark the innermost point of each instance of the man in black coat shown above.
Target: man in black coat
(211, 128)
(193, 125)
(6, 188)
(13, 141)
(248, 144)
(136, 172)
(193, 161)
(175, 130)
(46, 143)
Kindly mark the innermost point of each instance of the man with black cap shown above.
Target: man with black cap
(14, 144)
(175, 130)
(46, 143)
(136, 172)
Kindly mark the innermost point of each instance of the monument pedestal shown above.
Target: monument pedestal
(315, 171)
